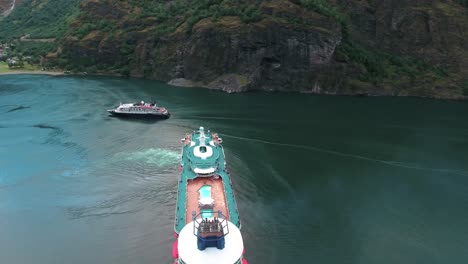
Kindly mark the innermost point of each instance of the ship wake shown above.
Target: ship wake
(399, 164)
(155, 156)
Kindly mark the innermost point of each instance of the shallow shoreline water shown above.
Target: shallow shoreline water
(54, 73)
(31, 72)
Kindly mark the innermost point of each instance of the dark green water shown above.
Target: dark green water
(318, 179)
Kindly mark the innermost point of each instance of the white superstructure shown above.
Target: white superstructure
(230, 254)
(142, 108)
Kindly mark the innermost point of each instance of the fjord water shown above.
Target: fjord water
(318, 179)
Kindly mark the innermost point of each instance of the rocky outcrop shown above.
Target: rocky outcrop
(226, 54)
(289, 49)
(231, 56)
(97, 48)
(6, 6)
(433, 30)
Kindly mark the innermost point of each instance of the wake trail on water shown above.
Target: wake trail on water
(281, 180)
(337, 153)
(220, 118)
(222, 106)
(18, 108)
(155, 156)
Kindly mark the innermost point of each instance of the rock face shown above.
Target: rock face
(433, 30)
(234, 57)
(225, 54)
(6, 6)
(289, 49)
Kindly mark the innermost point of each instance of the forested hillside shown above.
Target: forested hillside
(385, 47)
(39, 19)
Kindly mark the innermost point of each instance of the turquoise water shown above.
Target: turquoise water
(205, 191)
(206, 213)
(318, 179)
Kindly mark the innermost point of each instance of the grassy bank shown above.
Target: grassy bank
(3, 67)
(27, 67)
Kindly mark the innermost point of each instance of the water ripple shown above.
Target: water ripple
(399, 164)
(18, 108)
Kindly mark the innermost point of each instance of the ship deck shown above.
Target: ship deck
(217, 193)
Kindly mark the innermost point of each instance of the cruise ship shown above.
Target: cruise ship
(140, 110)
(207, 225)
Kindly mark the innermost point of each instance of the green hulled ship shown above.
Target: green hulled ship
(207, 224)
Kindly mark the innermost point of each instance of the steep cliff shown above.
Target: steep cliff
(435, 32)
(388, 47)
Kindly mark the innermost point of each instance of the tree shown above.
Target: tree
(20, 63)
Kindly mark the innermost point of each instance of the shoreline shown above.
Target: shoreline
(32, 72)
(58, 73)
(61, 73)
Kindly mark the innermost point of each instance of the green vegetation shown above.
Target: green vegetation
(46, 19)
(323, 7)
(25, 67)
(4, 67)
(380, 65)
(28, 51)
(51, 19)
(465, 88)
(376, 65)
(35, 50)
(170, 15)
(462, 2)
(86, 28)
(173, 14)
(162, 17)
(39, 19)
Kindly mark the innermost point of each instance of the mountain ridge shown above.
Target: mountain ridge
(385, 47)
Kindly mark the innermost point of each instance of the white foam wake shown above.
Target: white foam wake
(154, 156)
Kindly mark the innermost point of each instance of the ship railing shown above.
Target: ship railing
(207, 175)
(210, 232)
(202, 165)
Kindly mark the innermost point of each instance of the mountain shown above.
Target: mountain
(38, 18)
(386, 47)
